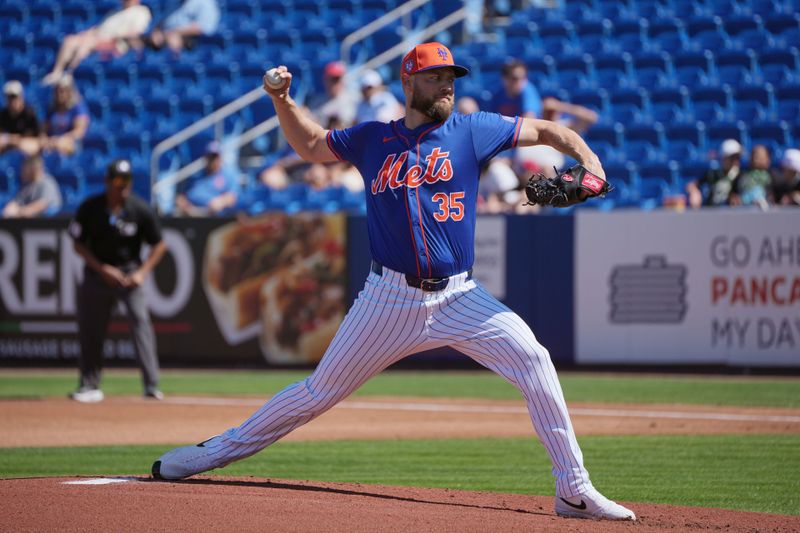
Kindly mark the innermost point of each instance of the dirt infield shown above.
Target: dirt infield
(60, 422)
(228, 504)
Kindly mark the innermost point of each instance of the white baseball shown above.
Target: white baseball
(273, 79)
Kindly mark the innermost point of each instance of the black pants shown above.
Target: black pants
(96, 300)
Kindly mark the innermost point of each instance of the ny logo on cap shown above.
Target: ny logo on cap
(409, 65)
(442, 53)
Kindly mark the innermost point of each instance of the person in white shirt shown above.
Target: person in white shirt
(378, 102)
(132, 20)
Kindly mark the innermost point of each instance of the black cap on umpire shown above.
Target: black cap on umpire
(119, 168)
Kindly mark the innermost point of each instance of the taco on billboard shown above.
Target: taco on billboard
(240, 257)
(302, 307)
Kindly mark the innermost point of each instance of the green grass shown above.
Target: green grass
(578, 387)
(746, 472)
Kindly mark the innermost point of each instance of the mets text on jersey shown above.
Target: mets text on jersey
(389, 173)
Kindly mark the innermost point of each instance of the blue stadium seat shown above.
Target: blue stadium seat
(621, 172)
(611, 136)
(674, 95)
(613, 70)
(558, 38)
(652, 68)
(594, 35)
(689, 171)
(98, 140)
(718, 132)
(644, 142)
(243, 9)
(162, 106)
(764, 95)
(736, 24)
(711, 103)
(629, 35)
(779, 66)
(575, 70)
(693, 68)
(691, 134)
(736, 67)
(776, 23)
(656, 172)
(776, 135)
(195, 105)
(666, 34)
(132, 143)
(788, 111)
(595, 99)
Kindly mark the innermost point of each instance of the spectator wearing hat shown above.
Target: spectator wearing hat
(718, 181)
(336, 107)
(111, 35)
(211, 193)
(786, 183)
(181, 29)
(108, 233)
(67, 119)
(39, 195)
(19, 124)
(378, 103)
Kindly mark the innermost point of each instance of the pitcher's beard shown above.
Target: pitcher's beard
(433, 108)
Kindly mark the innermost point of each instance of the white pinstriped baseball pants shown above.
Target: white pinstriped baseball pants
(390, 320)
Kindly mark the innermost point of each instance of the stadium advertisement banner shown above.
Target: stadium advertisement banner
(705, 287)
(270, 288)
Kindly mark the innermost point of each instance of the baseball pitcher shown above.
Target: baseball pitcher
(421, 175)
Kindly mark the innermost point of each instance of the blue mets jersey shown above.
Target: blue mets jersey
(422, 186)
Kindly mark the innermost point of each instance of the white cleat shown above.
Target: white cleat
(185, 461)
(592, 504)
(87, 395)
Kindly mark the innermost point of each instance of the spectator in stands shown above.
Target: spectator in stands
(19, 124)
(753, 186)
(786, 184)
(378, 103)
(336, 103)
(67, 119)
(111, 35)
(318, 177)
(499, 188)
(546, 159)
(39, 195)
(518, 96)
(576, 117)
(718, 180)
(182, 28)
(213, 192)
(466, 105)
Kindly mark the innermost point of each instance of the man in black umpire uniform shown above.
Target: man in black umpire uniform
(108, 232)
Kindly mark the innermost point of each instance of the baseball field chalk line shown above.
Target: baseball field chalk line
(465, 408)
(100, 481)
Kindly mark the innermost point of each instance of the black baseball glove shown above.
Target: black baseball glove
(570, 187)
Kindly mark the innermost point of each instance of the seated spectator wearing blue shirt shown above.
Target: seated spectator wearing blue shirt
(184, 25)
(39, 195)
(518, 97)
(211, 193)
(67, 119)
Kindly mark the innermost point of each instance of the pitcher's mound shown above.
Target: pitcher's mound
(251, 504)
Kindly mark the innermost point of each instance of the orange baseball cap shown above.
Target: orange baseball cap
(429, 56)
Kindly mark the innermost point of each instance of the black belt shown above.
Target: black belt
(426, 284)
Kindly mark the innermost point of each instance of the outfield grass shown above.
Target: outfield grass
(578, 387)
(745, 472)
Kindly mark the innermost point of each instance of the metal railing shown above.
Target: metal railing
(215, 119)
